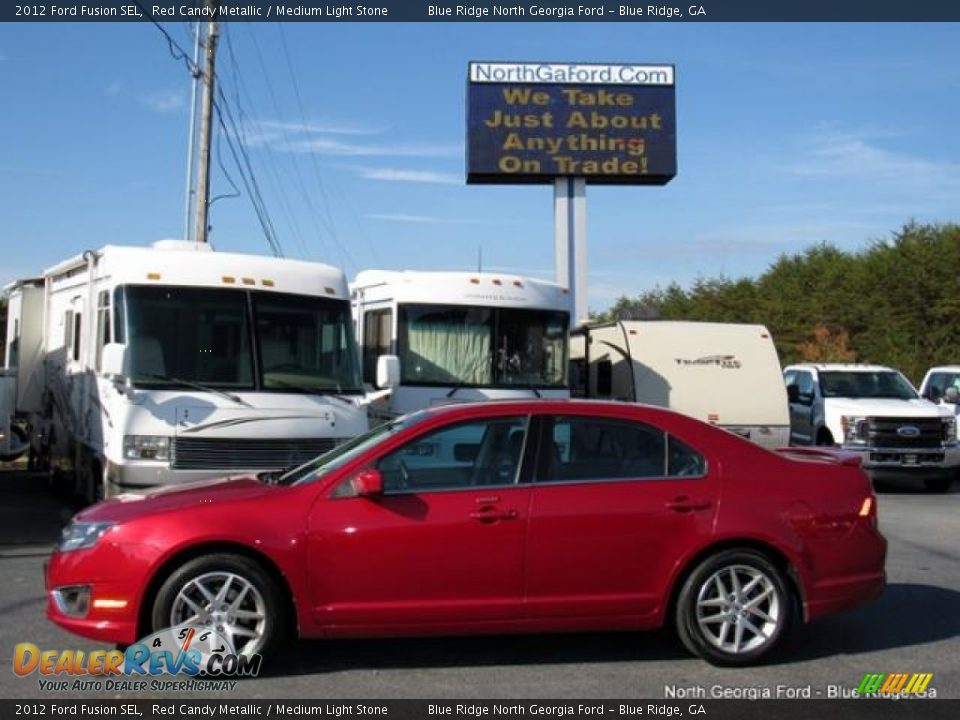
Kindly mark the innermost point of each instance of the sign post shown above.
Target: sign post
(568, 125)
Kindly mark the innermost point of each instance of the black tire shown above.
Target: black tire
(707, 639)
(825, 438)
(938, 484)
(274, 608)
(21, 435)
(93, 490)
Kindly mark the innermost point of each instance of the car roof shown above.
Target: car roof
(845, 367)
(553, 405)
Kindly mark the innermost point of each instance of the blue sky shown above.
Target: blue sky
(788, 135)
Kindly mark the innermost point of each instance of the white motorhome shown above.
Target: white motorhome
(138, 367)
(725, 374)
(441, 337)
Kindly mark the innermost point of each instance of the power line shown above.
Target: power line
(240, 156)
(313, 157)
(315, 216)
(271, 164)
(247, 175)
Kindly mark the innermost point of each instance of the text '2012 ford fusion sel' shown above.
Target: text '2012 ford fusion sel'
(490, 518)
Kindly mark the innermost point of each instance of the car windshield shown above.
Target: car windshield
(479, 346)
(342, 454)
(221, 337)
(880, 384)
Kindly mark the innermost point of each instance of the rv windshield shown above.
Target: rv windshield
(482, 346)
(212, 337)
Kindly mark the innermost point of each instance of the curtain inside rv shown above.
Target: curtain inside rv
(446, 345)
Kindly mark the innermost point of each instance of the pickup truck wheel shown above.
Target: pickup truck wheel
(824, 437)
(938, 485)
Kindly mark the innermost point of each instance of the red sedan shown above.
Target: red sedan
(490, 518)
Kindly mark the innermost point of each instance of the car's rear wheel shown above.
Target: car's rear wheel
(231, 594)
(733, 608)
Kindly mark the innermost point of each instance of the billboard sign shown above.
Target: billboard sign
(535, 122)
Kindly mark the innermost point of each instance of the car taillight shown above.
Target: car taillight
(868, 510)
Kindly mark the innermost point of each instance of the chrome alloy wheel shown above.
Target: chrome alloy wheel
(225, 602)
(738, 609)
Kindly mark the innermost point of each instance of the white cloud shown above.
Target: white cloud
(318, 128)
(163, 101)
(330, 146)
(406, 175)
(402, 218)
(857, 155)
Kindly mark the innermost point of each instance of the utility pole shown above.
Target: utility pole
(206, 123)
(196, 74)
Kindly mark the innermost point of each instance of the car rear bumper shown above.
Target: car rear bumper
(836, 595)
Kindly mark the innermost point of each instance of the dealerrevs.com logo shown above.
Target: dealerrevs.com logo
(185, 652)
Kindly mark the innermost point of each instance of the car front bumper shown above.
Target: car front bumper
(116, 576)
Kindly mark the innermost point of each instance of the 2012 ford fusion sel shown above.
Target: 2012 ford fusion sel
(490, 518)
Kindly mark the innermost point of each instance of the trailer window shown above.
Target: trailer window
(103, 324)
(68, 330)
(75, 353)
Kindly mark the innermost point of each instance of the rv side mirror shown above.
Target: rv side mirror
(793, 393)
(951, 395)
(113, 361)
(368, 483)
(388, 371)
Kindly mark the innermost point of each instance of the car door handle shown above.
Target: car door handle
(683, 504)
(493, 514)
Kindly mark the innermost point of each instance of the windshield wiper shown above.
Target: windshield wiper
(197, 386)
(325, 392)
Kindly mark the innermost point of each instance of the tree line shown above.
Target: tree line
(895, 302)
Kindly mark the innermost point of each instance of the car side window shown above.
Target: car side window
(467, 455)
(577, 449)
(804, 381)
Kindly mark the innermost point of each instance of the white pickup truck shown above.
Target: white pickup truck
(941, 385)
(874, 411)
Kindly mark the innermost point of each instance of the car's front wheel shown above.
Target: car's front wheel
(228, 593)
(733, 608)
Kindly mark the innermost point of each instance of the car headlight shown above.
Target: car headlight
(82, 535)
(950, 429)
(854, 429)
(146, 447)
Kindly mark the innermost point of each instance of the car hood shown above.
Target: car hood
(885, 407)
(178, 497)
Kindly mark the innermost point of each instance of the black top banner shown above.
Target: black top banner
(485, 11)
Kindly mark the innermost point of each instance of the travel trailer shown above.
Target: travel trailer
(444, 337)
(137, 367)
(722, 373)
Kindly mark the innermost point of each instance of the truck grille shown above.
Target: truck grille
(246, 454)
(882, 432)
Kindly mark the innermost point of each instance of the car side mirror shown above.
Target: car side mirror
(113, 362)
(388, 371)
(793, 393)
(951, 395)
(368, 483)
